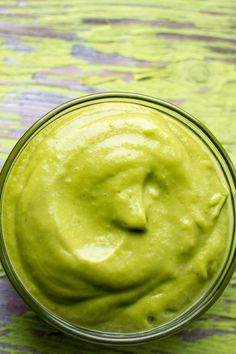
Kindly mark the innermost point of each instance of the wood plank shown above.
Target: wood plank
(181, 51)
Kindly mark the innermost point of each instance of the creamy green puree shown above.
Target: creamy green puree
(116, 217)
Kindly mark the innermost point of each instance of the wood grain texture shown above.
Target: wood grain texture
(181, 51)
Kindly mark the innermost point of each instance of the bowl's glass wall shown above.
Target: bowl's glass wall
(204, 301)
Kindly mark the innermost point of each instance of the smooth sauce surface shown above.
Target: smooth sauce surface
(115, 217)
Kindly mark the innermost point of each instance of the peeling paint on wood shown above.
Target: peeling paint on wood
(181, 51)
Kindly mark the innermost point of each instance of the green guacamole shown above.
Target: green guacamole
(116, 217)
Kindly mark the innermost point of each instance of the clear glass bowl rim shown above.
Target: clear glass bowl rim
(110, 338)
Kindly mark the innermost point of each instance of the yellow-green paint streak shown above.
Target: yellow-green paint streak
(1, 271)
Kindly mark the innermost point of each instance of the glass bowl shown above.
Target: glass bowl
(196, 308)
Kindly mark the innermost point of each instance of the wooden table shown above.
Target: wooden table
(179, 50)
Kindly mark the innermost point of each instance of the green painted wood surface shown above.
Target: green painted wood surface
(178, 50)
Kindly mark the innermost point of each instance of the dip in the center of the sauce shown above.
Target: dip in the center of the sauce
(116, 217)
